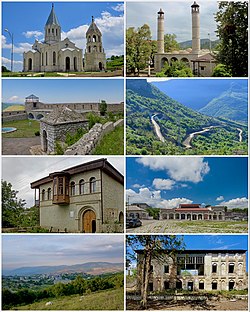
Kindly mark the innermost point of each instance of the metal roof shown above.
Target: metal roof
(52, 19)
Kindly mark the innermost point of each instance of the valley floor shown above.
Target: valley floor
(172, 226)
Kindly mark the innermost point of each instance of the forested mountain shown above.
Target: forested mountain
(176, 123)
(231, 104)
(205, 44)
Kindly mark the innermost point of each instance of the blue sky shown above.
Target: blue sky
(177, 17)
(39, 250)
(201, 97)
(166, 182)
(26, 21)
(215, 242)
(80, 90)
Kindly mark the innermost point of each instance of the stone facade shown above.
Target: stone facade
(86, 198)
(94, 57)
(13, 116)
(134, 211)
(198, 270)
(202, 62)
(54, 54)
(194, 212)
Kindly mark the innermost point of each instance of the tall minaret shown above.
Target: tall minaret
(160, 32)
(195, 9)
(52, 28)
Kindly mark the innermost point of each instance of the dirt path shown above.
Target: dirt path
(18, 146)
(157, 128)
(187, 141)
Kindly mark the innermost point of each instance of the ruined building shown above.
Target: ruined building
(198, 270)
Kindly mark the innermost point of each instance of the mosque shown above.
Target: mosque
(202, 62)
(57, 55)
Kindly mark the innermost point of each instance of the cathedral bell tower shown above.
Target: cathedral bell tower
(52, 28)
(94, 58)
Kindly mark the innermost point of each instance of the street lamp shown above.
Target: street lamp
(12, 47)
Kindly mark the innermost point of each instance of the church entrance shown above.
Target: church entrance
(75, 64)
(100, 65)
(67, 63)
(89, 222)
(30, 64)
(45, 141)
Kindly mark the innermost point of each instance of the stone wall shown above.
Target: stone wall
(89, 141)
(13, 116)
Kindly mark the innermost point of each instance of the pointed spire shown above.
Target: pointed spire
(93, 19)
(52, 19)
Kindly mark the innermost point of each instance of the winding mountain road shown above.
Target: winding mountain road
(187, 141)
(240, 134)
(157, 128)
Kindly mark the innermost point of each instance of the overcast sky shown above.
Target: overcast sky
(21, 171)
(36, 250)
(177, 17)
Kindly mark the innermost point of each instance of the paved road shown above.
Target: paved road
(187, 141)
(157, 129)
(240, 134)
(18, 146)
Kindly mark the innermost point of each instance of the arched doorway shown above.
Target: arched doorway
(100, 65)
(67, 63)
(121, 217)
(89, 221)
(30, 64)
(163, 61)
(45, 141)
(31, 116)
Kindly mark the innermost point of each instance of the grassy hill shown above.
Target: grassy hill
(176, 122)
(8, 107)
(101, 300)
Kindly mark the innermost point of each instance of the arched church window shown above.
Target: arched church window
(94, 48)
(56, 31)
(54, 58)
(72, 188)
(99, 38)
(46, 58)
(42, 58)
(100, 49)
(94, 38)
(92, 185)
(49, 193)
(43, 194)
(49, 30)
(89, 39)
(89, 49)
(81, 187)
(52, 30)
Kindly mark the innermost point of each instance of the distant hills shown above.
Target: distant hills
(177, 122)
(231, 104)
(93, 268)
(205, 44)
(12, 106)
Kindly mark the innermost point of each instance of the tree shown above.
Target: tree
(232, 29)
(170, 43)
(151, 247)
(5, 69)
(221, 70)
(11, 206)
(138, 48)
(103, 108)
(176, 69)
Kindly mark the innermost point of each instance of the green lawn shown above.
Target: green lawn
(112, 143)
(102, 300)
(25, 128)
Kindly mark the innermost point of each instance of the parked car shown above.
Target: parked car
(133, 222)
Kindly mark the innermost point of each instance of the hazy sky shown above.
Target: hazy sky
(166, 182)
(36, 250)
(26, 20)
(21, 171)
(71, 90)
(177, 17)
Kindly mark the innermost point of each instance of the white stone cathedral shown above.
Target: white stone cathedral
(56, 55)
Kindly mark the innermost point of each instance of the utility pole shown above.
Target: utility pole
(12, 47)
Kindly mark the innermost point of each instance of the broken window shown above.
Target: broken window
(166, 268)
(201, 285)
(231, 268)
(214, 285)
(214, 268)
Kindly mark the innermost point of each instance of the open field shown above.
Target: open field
(102, 300)
(25, 128)
(172, 226)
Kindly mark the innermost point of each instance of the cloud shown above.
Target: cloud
(154, 199)
(32, 33)
(220, 198)
(236, 203)
(179, 169)
(119, 7)
(22, 46)
(13, 98)
(163, 184)
(7, 61)
(136, 185)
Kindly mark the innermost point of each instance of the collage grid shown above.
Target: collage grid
(124, 155)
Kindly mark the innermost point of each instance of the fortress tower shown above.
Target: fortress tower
(195, 10)
(160, 32)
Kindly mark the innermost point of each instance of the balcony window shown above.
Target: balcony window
(72, 188)
(81, 187)
(60, 188)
